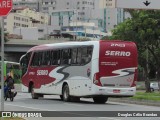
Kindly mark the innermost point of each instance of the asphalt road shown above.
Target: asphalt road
(88, 110)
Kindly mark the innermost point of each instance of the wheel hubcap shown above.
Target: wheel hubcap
(66, 93)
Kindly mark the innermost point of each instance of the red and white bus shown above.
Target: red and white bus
(94, 69)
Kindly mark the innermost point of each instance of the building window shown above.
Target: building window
(54, 2)
(46, 3)
(45, 8)
(66, 57)
(40, 30)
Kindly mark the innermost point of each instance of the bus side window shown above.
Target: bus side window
(65, 57)
(74, 56)
(34, 59)
(86, 55)
(52, 58)
(46, 58)
(69, 56)
(89, 54)
(55, 57)
(58, 59)
(40, 59)
(79, 56)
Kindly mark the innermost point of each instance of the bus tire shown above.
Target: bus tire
(75, 99)
(66, 96)
(61, 96)
(34, 95)
(100, 99)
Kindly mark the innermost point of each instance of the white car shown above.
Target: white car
(154, 86)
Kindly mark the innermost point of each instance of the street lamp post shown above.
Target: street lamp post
(76, 26)
(2, 64)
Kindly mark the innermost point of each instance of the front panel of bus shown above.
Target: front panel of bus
(117, 67)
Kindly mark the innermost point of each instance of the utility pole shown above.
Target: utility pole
(91, 16)
(2, 64)
(5, 9)
(76, 25)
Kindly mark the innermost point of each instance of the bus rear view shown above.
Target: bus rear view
(117, 68)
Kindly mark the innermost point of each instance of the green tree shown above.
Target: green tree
(144, 29)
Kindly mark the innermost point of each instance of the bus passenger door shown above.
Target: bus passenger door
(81, 69)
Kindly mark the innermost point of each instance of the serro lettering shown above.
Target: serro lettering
(117, 53)
(42, 72)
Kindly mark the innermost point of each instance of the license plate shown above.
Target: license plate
(116, 91)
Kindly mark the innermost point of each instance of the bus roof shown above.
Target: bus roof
(70, 44)
(61, 45)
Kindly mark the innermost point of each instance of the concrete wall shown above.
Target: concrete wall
(27, 33)
(14, 57)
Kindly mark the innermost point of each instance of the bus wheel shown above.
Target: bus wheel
(100, 99)
(75, 99)
(34, 95)
(66, 96)
(61, 96)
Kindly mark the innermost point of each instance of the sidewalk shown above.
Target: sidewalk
(135, 101)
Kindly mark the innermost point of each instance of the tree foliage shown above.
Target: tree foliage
(144, 29)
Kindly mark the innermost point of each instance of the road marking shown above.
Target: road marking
(30, 107)
(137, 105)
(72, 104)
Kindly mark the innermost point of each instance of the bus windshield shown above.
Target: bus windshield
(24, 62)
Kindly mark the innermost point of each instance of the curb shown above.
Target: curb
(132, 101)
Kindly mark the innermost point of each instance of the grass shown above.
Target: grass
(155, 96)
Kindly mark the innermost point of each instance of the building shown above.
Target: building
(15, 20)
(101, 12)
(28, 24)
(65, 12)
(62, 12)
(23, 18)
(82, 31)
(34, 33)
(82, 9)
(37, 18)
(107, 3)
(111, 16)
(32, 4)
